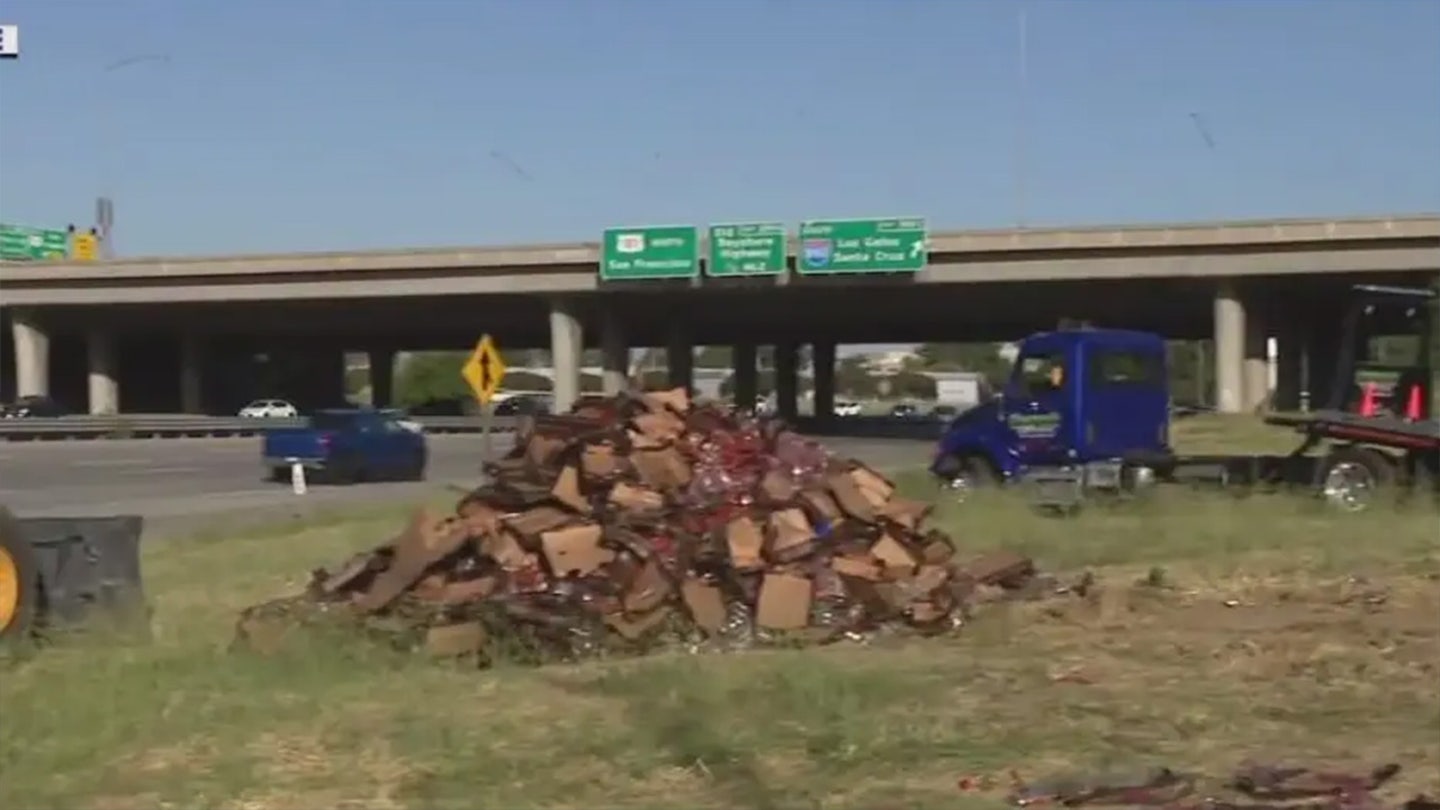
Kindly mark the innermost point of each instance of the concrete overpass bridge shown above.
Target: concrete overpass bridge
(195, 334)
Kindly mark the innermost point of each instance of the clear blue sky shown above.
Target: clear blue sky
(336, 124)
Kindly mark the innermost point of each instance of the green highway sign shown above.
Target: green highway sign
(747, 249)
(666, 251)
(829, 247)
(19, 244)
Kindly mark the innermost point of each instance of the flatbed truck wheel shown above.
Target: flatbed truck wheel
(19, 581)
(1353, 476)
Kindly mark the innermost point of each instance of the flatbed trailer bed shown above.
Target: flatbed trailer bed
(1386, 431)
(1365, 454)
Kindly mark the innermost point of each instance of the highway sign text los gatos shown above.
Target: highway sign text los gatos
(829, 247)
(650, 252)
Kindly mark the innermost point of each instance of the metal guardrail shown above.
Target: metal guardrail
(169, 426)
(158, 426)
(922, 428)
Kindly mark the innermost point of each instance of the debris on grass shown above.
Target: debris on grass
(1252, 787)
(642, 519)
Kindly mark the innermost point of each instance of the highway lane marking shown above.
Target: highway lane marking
(168, 470)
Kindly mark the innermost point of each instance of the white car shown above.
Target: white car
(269, 409)
(847, 409)
(403, 420)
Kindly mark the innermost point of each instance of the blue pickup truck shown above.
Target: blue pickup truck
(349, 446)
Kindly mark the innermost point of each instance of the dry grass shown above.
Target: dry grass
(1222, 629)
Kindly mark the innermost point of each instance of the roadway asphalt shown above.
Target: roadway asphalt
(182, 484)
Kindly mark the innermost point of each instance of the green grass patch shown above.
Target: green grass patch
(1221, 628)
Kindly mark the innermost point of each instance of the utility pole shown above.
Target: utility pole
(105, 226)
(104, 205)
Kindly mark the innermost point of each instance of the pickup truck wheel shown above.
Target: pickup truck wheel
(345, 470)
(1352, 477)
(19, 581)
(417, 468)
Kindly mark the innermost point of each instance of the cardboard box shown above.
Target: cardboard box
(575, 550)
(784, 602)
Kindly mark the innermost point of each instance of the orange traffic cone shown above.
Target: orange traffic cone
(1368, 406)
(1412, 406)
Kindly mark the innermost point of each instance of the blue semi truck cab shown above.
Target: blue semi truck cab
(1083, 406)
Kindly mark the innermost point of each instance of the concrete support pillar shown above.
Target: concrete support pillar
(615, 355)
(823, 357)
(567, 345)
(382, 377)
(32, 356)
(1229, 350)
(1257, 361)
(102, 376)
(192, 375)
(680, 358)
(787, 380)
(747, 378)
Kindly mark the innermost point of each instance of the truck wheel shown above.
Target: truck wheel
(1353, 476)
(19, 581)
(964, 474)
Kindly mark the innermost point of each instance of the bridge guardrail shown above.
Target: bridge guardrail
(143, 426)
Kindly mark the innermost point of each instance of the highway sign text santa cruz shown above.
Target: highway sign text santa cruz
(862, 246)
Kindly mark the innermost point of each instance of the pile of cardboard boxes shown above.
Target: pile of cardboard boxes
(643, 518)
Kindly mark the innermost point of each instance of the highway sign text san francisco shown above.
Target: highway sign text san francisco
(747, 249)
(862, 246)
(670, 251)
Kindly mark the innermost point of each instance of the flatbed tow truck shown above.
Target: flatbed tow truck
(1086, 412)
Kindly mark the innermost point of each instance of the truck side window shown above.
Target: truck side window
(1124, 367)
(1041, 374)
